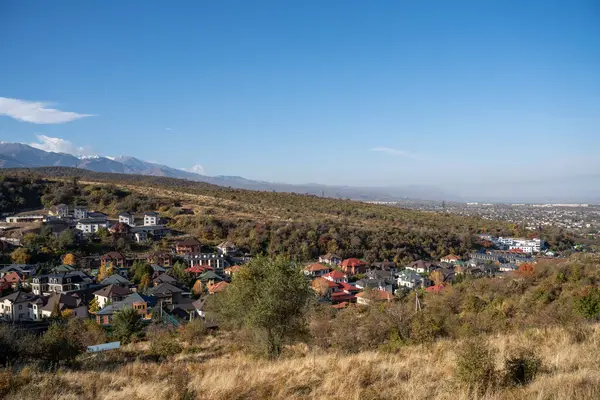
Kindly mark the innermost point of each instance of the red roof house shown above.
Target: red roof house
(336, 276)
(353, 266)
(315, 270)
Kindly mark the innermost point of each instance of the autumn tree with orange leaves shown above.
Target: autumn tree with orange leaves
(526, 270)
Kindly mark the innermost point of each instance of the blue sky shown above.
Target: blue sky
(336, 92)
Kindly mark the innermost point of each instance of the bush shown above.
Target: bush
(11, 345)
(521, 367)
(164, 345)
(475, 365)
(193, 332)
(59, 345)
(588, 305)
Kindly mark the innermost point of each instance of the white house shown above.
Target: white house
(17, 306)
(150, 218)
(111, 293)
(421, 267)
(89, 225)
(127, 218)
(409, 279)
(227, 248)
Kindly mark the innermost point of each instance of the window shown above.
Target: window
(20, 306)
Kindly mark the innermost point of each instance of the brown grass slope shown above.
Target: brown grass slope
(570, 370)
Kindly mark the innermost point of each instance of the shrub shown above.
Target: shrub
(164, 345)
(193, 332)
(521, 367)
(57, 345)
(475, 365)
(11, 345)
(588, 305)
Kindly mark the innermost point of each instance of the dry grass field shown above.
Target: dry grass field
(570, 370)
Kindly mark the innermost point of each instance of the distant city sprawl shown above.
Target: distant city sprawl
(584, 218)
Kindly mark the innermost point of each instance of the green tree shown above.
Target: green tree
(66, 239)
(11, 344)
(178, 271)
(140, 269)
(588, 305)
(59, 344)
(269, 297)
(127, 324)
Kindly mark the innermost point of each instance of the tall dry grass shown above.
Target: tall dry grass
(570, 370)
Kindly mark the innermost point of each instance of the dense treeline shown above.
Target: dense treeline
(20, 193)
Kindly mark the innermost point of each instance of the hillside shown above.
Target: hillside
(569, 372)
(301, 226)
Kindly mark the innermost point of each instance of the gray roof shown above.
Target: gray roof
(119, 305)
(116, 279)
(19, 297)
(64, 301)
(164, 288)
(158, 268)
(409, 275)
(112, 290)
(371, 283)
(19, 268)
(164, 278)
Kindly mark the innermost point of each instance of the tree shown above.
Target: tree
(106, 270)
(127, 324)
(69, 259)
(198, 288)
(588, 305)
(12, 344)
(94, 307)
(269, 297)
(20, 256)
(145, 283)
(140, 269)
(66, 240)
(59, 344)
(526, 270)
(178, 271)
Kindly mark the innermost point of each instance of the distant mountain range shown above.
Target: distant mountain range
(577, 189)
(19, 155)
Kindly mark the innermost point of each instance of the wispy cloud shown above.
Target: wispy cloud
(394, 152)
(58, 145)
(36, 112)
(196, 169)
(168, 129)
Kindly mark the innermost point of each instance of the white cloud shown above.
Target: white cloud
(196, 169)
(58, 145)
(394, 152)
(36, 112)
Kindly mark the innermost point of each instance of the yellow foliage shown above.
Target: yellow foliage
(69, 259)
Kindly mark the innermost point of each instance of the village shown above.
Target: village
(170, 285)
